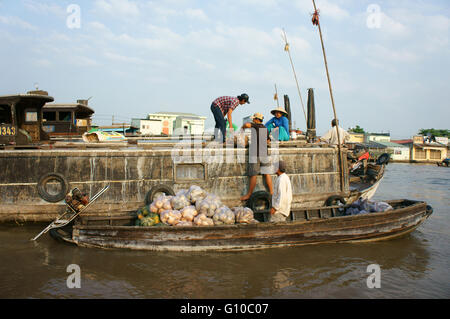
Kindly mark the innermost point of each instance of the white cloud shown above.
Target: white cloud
(196, 14)
(118, 8)
(382, 54)
(121, 58)
(326, 9)
(17, 22)
(45, 8)
(392, 26)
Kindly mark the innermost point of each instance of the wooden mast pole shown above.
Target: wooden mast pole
(286, 48)
(276, 95)
(331, 95)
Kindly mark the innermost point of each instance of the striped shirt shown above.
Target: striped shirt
(226, 103)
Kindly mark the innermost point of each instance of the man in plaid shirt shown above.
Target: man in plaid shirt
(224, 106)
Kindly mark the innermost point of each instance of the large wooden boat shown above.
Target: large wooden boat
(308, 226)
(34, 182)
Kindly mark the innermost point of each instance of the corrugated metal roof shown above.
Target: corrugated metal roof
(391, 144)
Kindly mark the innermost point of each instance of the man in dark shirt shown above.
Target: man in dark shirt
(258, 162)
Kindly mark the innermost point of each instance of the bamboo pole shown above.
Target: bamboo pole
(332, 101)
(276, 95)
(286, 48)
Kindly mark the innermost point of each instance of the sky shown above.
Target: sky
(388, 60)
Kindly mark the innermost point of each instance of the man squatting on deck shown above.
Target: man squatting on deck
(282, 195)
(224, 106)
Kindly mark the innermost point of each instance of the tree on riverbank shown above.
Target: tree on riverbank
(442, 132)
(357, 129)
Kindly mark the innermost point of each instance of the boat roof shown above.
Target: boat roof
(77, 107)
(47, 98)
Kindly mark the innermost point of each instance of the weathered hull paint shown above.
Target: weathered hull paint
(314, 173)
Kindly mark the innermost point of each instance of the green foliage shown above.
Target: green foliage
(357, 129)
(435, 132)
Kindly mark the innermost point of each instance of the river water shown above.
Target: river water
(415, 266)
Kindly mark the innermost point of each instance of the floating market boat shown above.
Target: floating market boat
(36, 175)
(308, 226)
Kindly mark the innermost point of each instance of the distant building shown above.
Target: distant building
(398, 152)
(193, 125)
(356, 137)
(168, 120)
(377, 137)
(428, 151)
(147, 127)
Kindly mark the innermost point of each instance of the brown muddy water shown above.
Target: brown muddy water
(415, 266)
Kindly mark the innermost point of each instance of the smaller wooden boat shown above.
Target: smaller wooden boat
(307, 226)
(445, 162)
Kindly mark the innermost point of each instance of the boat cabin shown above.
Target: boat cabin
(21, 119)
(67, 119)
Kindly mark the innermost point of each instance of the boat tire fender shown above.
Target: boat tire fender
(160, 188)
(335, 200)
(429, 210)
(260, 214)
(383, 159)
(52, 198)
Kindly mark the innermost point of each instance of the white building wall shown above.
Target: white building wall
(400, 153)
(149, 127)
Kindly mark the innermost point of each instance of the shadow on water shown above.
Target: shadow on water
(38, 269)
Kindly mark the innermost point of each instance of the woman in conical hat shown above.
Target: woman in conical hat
(279, 123)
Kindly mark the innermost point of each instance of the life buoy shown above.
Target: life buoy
(52, 198)
(160, 188)
(255, 199)
(335, 200)
(383, 159)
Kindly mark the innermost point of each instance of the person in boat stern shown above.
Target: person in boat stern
(331, 136)
(282, 195)
(258, 160)
(279, 123)
(224, 106)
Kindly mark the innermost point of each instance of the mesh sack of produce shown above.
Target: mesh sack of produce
(139, 216)
(145, 210)
(382, 207)
(188, 213)
(196, 193)
(184, 223)
(151, 220)
(224, 215)
(179, 202)
(167, 203)
(170, 217)
(203, 220)
(244, 215)
(214, 204)
(182, 192)
(159, 201)
(153, 208)
(202, 206)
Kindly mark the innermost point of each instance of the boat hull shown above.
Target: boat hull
(359, 228)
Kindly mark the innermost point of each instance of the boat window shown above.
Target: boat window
(31, 115)
(65, 116)
(190, 172)
(5, 114)
(49, 116)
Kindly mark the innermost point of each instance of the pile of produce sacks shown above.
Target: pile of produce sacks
(192, 207)
(364, 206)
